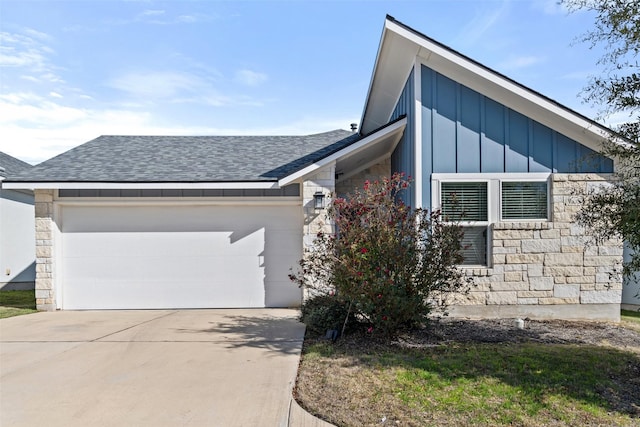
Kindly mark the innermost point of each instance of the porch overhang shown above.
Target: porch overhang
(368, 150)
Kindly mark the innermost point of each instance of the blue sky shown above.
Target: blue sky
(73, 70)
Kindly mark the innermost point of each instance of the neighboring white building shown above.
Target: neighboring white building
(631, 288)
(17, 230)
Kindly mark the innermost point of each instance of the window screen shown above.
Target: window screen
(524, 200)
(474, 245)
(464, 201)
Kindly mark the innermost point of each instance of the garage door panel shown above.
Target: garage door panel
(187, 257)
(239, 220)
(165, 295)
(285, 242)
(151, 269)
(283, 293)
(165, 244)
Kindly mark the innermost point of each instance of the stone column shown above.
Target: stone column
(314, 220)
(45, 294)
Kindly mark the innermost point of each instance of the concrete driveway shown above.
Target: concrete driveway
(149, 368)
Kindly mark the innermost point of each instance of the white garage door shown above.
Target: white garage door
(116, 257)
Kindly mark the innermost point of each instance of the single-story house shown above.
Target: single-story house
(213, 221)
(17, 231)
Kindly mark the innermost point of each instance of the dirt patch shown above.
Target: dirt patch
(538, 331)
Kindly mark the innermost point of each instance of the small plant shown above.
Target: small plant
(391, 265)
(323, 312)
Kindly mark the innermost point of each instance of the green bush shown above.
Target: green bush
(324, 312)
(391, 264)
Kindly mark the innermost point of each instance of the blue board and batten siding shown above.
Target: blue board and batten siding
(463, 131)
(403, 157)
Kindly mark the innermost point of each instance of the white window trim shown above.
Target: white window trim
(494, 196)
(494, 192)
(547, 219)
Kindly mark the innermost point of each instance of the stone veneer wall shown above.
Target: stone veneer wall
(377, 171)
(324, 181)
(545, 269)
(316, 221)
(45, 294)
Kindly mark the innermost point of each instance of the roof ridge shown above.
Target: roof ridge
(224, 135)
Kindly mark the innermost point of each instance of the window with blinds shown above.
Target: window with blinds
(524, 200)
(474, 245)
(464, 201)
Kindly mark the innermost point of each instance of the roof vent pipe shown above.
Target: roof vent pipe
(354, 127)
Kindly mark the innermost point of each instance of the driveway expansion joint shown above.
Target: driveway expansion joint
(133, 326)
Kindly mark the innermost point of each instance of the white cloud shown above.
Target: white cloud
(38, 34)
(152, 13)
(518, 62)
(158, 17)
(157, 84)
(193, 18)
(20, 51)
(28, 56)
(481, 23)
(187, 19)
(30, 78)
(34, 128)
(55, 95)
(250, 78)
(550, 7)
(143, 87)
(35, 111)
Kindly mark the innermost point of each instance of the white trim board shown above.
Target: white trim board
(395, 128)
(142, 185)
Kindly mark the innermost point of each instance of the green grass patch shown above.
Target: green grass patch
(631, 315)
(476, 385)
(630, 319)
(502, 385)
(17, 303)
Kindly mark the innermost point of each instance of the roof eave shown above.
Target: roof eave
(382, 94)
(39, 185)
(392, 130)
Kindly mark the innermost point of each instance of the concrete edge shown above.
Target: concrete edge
(298, 417)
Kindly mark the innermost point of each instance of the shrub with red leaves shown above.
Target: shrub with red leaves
(392, 265)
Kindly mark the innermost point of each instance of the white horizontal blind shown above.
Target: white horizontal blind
(524, 200)
(474, 245)
(464, 201)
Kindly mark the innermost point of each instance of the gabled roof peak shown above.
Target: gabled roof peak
(402, 47)
(12, 166)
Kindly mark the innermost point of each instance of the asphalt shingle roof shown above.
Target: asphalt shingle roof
(13, 166)
(187, 158)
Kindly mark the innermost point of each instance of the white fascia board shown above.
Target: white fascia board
(511, 176)
(394, 62)
(417, 132)
(373, 76)
(191, 201)
(140, 185)
(347, 151)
